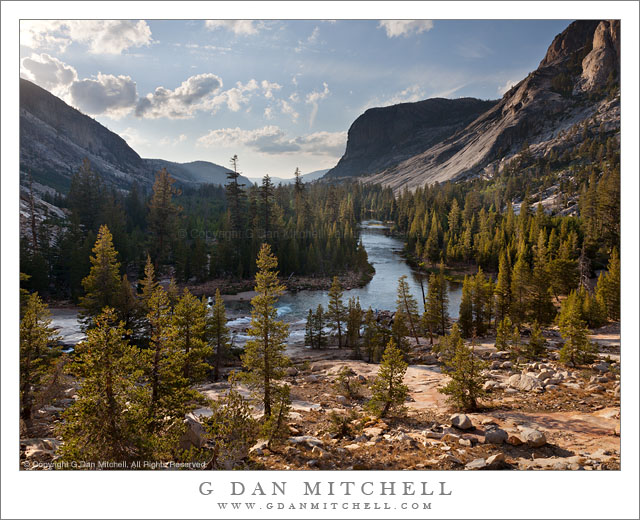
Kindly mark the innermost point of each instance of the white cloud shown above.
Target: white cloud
(113, 96)
(272, 140)
(269, 87)
(238, 27)
(195, 93)
(235, 97)
(409, 95)
(48, 72)
(101, 36)
(313, 38)
(405, 27)
(172, 141)
(288, 110)
(268, 113)
(503, 89)
(313, 98)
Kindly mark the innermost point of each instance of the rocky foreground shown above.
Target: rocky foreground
(537, 415)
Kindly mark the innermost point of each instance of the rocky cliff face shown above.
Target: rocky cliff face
(383, 137)
(567, 88)
(55, 138)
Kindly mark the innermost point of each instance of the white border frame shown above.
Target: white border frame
(175, 494)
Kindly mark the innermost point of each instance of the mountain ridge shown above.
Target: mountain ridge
(55, 138)
(569, 86)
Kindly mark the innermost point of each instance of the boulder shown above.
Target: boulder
(514, 440)
(292, 371)
(194, 435)
(496, 460)
(533, 437)
(496, 436)
(373, 431)
(601, 367)
(524, 382)
(476, 464)
(461, 421)
(306, 440)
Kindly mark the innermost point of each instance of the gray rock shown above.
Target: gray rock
(496, 436)
(533, 437)
(476, 464)
(292, 371)
(524, 382)
(602, 367)
(194, 434)
(496, 459)
(461, 421)
(307, 440)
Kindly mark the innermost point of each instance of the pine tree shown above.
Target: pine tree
(504, 334)
(37, 350)
(608, 288)
(407, 305)
(218, 334)
(336, 311)
(108, 421)
(189, 321)
(102, 285)
(542, 309)
(318, 327)
(503, 288)
(309, 336)
(162, 219)
(480, 301)
(388, 389)
(127, 307)
(369, 335)
(465, 320)
(536, 347)
(446, 347)
(577, 349)
(170, 393)
(264, 356)
(354, 321)
(465, 387)
(231, 429)
(520, 291)
(266, 203)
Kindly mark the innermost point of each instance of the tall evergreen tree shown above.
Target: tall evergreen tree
(102, 285)
(336, 311)
(520, 291)
(189, 321)
(319, 322)
(388, 389)
(577, 349)
(467, 379)
(108, 421)
(608, 288)
(163, 213)
(264, 356)
(465, 320)
(37, 350)
(503, 288)
(542, 309)
(407, 306)
(353, 323)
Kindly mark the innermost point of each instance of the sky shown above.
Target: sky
(281, 94)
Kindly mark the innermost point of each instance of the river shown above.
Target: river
(379, 294)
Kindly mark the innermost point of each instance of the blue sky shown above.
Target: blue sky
(279, 94)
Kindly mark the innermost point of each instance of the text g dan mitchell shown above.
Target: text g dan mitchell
(327, 488)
